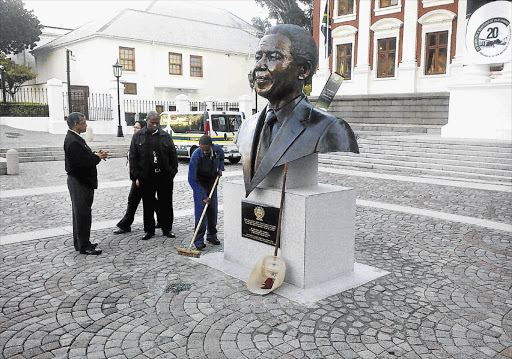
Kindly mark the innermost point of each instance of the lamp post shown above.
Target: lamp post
(251, 83)
(2, 79)
(118, 71)
(69, 53)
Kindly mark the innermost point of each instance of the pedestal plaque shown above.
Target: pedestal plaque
(259, 222)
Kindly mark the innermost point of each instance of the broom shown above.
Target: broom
(189, 252)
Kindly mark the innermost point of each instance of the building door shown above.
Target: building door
(80, 100)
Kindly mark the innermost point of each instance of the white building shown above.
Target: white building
(171, 48)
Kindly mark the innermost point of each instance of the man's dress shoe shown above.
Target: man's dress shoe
(91, 251)
(213, 241)
(147, 236)
(200, 246)
(121, 231)
(169, 235)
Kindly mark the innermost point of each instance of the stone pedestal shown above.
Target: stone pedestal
(317, 234)
(317, 231)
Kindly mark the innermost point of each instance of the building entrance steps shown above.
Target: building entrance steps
(485, 161)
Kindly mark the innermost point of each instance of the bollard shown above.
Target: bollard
(88, 134)
(13, 162)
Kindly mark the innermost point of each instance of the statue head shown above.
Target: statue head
(285, 59)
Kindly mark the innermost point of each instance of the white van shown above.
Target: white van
(187, 127)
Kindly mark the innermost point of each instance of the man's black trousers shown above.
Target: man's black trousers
(161, 185)
(82, 197)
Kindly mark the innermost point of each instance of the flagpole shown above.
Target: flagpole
(326, 42)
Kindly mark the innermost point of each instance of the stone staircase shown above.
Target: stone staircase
(430, 156)
(371, 115)
(56, 153)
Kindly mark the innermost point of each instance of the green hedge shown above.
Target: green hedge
(23, 109)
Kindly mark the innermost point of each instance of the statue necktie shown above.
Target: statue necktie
(266, 136)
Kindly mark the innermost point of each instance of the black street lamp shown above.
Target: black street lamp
(251, 83)
(2, 79)
(118, 71)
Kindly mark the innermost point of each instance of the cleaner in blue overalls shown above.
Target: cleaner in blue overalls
(206, 163)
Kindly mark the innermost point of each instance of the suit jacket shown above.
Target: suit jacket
(141, 155)
(80, 161)
(306, 130)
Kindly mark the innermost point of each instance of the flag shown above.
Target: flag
(326, 29)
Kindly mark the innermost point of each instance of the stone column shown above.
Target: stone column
(245, 105)
(361, 73)
(209, 102)
(182, 103)
(56, 122)
(323, 72)
(408, 66)
(460, 40)
(13, 162)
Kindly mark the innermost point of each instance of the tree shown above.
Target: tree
(19, 28)
(15, 75)
(261, 24)
(297, 12)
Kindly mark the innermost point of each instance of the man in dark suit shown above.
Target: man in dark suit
(153, 165)
(289, 127)
(80, 163)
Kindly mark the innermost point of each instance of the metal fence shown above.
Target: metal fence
(225, 106)
(95, 106)
(198, 106)
(142, 107)
(28, 95)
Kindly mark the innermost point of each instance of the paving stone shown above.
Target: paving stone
(447, 294)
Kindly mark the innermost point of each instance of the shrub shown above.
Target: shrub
(23, 109)
(307, 90)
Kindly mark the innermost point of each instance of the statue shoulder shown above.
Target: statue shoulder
(319, 115)
(337, 136)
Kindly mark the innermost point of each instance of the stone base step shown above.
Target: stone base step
(461, 167)
(56, 153)
(437, 172)
(361, 128)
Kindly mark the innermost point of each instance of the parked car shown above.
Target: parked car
(187, 127)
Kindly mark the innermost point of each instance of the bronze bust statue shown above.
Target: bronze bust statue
(289, 127)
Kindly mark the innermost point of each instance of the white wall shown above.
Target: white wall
(224, 77)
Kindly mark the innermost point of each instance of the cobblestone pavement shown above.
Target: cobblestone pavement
(448, 294)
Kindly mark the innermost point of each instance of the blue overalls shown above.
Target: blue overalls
(202, 172)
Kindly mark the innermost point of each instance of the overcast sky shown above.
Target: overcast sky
(74, 13)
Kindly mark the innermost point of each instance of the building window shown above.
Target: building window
(386, 57)
(344, 60)
(175, 65)
(436, 53)
(345, 7)
(127, 58)
(196, 66)
(387, 3)
(130, 88)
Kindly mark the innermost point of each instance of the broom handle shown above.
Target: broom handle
(278, 234)
(202, 214)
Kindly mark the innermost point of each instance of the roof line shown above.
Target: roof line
(204, 22)
(104, 27)
(56, 27)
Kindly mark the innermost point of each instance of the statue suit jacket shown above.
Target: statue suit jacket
(306, 130)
